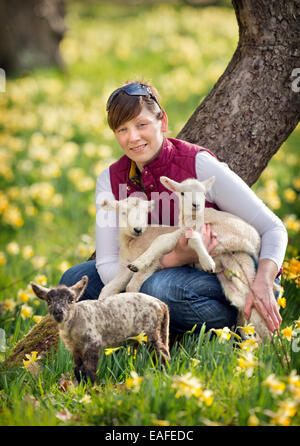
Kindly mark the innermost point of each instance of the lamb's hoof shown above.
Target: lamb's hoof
(132, 268)
(210, 268)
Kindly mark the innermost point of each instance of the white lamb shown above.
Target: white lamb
(136, 236)
(234, 257)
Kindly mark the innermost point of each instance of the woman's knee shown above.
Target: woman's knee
(71, 276)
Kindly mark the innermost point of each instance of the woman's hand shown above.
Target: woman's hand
(262, 296)
(182, 254)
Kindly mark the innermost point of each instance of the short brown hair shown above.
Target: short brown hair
(125, 107)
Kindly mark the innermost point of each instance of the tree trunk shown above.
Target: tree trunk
(30, 32)
(253, 107)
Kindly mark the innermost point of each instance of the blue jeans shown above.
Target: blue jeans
(193, 296)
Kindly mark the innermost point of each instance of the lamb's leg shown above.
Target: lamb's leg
(90, 362)
(236, 277)
(205, 260)
(139, 278)
(164, 330)
(161, 245)
(77, 365)
(117, 284)
(242, 269)
(162, 351)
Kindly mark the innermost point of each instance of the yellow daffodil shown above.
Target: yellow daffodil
(281, 302)
(296, 183)
(4, 203)
(287, 410)
(109, 351)
(280, 419)
(41, 280)
(23, 296)
(9, 304)
(276, 386)
(86, 399)
(293, 381)
(289, 407)
(224, 334)
(37, 319)
(250, 344)
(26, 311)
(12, 216)
(13, 248)
(291, 223)
(30, 358)
(297, 323)
(42, 192)
(248, 329)
(247, 362)
(38, 261)
(134, 382)
(188, 385)
(140, 338)
(63, 266)
(291, 270)
(207, 397)
(290, 195)
(27, 252)
(288, 332)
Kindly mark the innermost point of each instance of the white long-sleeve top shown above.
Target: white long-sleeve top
(229, 192)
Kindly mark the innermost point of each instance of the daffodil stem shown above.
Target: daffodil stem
(284, 352)
(277, 353)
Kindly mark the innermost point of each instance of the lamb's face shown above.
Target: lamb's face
(133, 215)
(192, 201)
(60, 301)
(191, 194)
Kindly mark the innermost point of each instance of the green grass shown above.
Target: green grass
(54, 141)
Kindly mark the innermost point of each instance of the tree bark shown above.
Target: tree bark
(30, 32)
(253, 108)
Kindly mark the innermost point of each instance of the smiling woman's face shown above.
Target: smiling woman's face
(141, 138)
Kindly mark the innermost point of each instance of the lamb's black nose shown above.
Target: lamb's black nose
(138, 231)
(58, 315)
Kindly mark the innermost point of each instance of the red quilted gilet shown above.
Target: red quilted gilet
(176, 160)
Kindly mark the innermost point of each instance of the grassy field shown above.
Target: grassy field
(54, 141)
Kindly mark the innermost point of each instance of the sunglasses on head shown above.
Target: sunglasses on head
(134, 89)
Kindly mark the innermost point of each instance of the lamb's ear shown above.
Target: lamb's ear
(39, 290)
(80, 287)
(169, 184)
(208, 183)
(110, 205)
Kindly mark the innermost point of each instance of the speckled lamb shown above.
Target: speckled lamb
(86, 327)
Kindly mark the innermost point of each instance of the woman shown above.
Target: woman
(194, 297)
